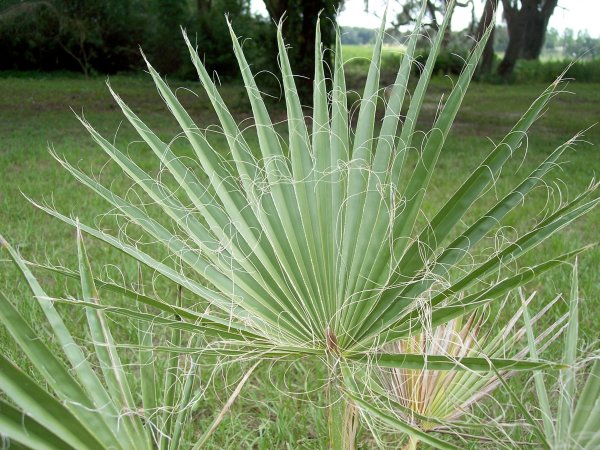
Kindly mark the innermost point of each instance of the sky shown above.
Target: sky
(578, 15)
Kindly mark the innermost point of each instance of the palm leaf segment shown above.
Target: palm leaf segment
(89, 399)
(310, 246)
(88, 410)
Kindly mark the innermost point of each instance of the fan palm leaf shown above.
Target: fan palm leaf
(310, 244)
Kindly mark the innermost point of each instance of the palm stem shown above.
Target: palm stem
(342, 424)
(342, 418)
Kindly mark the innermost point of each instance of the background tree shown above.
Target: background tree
(81, 35)
(582, 46)
(358, 35)
(211, 36)
(434, 12)
(552, 40)
(526, 22)
(94, 36)
(169, 15)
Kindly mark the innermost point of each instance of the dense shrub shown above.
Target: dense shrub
(80, 35)
(586, 71)
(211, 35)
(92, 36)
(449, 62)
(546, 71)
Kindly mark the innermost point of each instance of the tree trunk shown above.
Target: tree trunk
(515, 24)
(535, 33)
(513, 51)
(203, 7)
(306, 62)
(526, 30)
(487, 18)
(487, 57)
(448, 31)
(534, 37)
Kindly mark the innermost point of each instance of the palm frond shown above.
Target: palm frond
(311, 243)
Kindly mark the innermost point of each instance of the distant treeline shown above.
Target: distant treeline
(567, 44)
(358, 36)
(93, 36)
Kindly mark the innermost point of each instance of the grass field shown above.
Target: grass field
(365, 51)
(35, 114)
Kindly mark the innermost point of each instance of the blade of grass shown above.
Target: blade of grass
(540, 385)
(217, 420)
(567, 378)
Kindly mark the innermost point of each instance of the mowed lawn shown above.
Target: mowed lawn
(275, 409)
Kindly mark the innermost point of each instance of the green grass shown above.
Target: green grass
(34, 113)
(365, 51)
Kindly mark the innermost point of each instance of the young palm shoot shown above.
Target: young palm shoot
(434, 400)
(576, 424)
